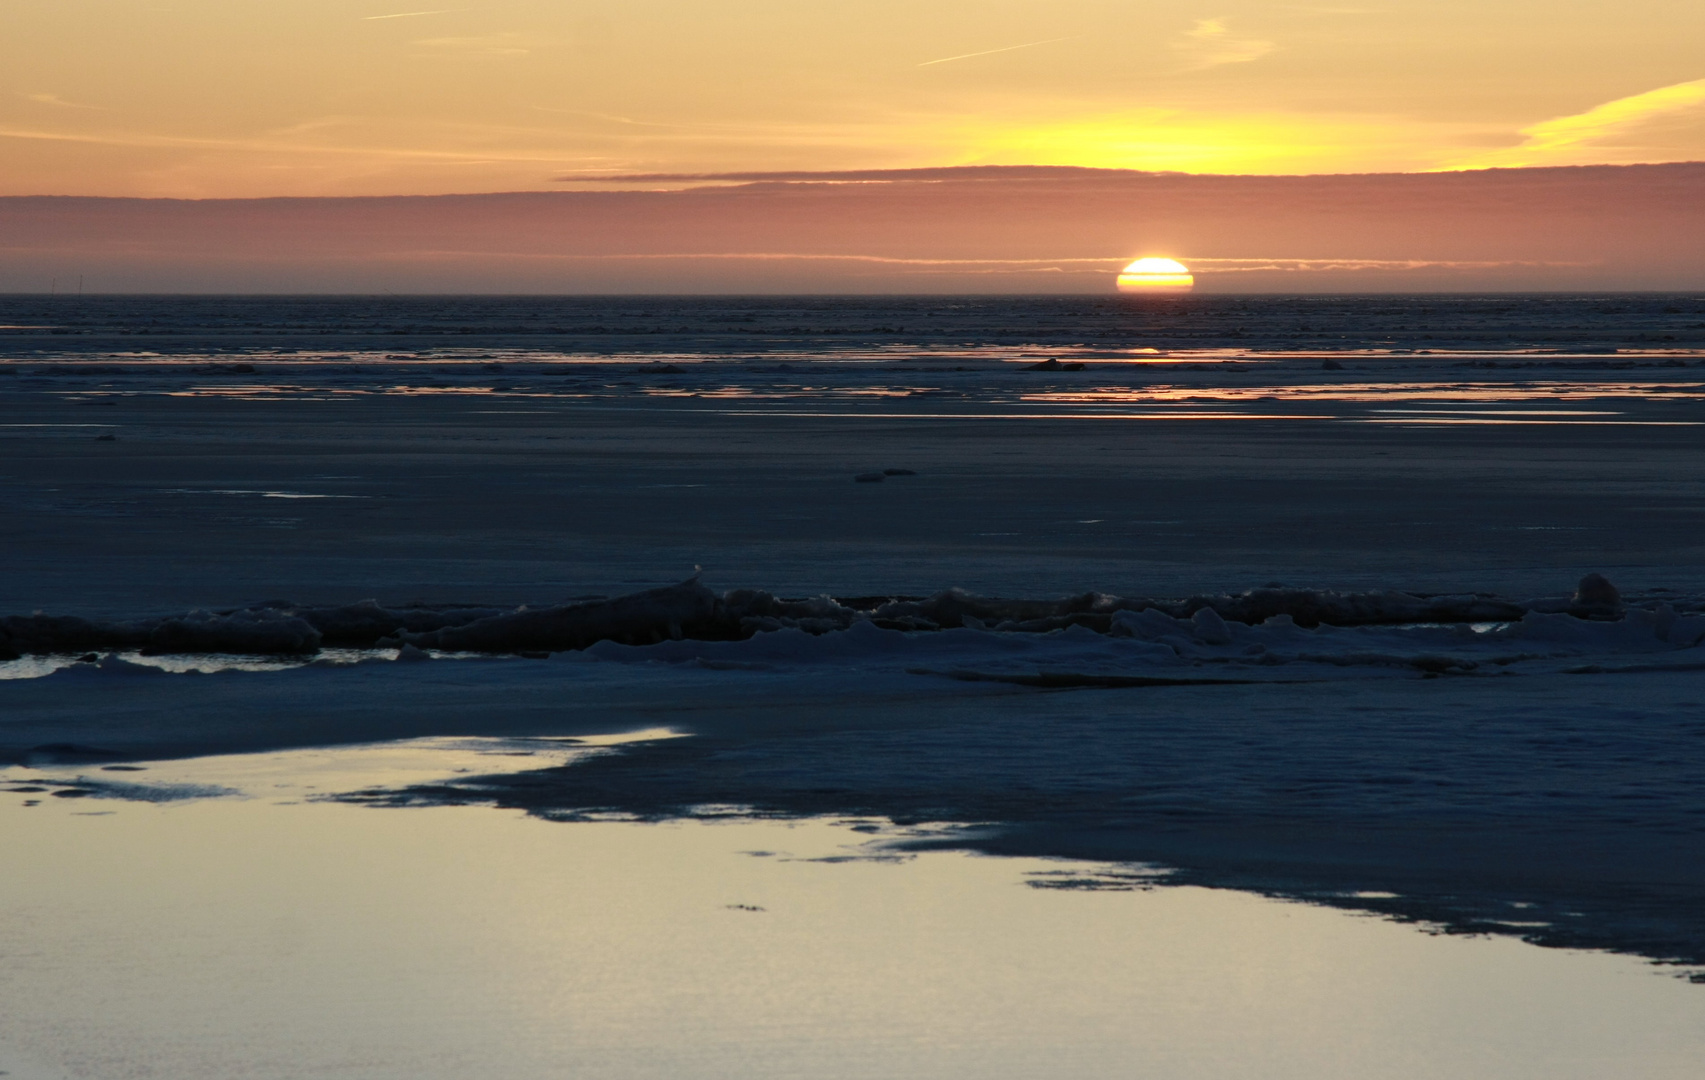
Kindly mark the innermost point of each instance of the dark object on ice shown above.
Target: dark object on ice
(106, 438)
(1054, 365)
(88, 658)
(868, 478)
(644, 618)
(1442, 665)
(72, 793)
(123, 768)
(1596, 598)
(899, 472)
(1331, 365)
(60, 753)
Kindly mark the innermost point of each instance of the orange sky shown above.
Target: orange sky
(234, 98)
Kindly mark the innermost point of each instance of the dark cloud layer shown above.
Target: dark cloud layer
(981, 229)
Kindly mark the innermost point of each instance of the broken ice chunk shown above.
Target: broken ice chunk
(1209, 628)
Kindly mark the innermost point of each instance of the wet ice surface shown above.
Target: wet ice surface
(967, 383)
(245, 926)
(1532, 776)
(1425, 360)
(519, 450)
(1552, 763)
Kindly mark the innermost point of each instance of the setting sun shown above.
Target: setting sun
(1152, 275)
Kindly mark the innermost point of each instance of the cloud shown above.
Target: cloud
(991, 52)
(1209, 44)
(287, 147)
(55, 99)
(413, 14)
(1197, 141)
(1602, 127)
(1078, 265)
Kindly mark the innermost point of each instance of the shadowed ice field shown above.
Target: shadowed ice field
(1270, 626)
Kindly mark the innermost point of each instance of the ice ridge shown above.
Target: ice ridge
(691, 611)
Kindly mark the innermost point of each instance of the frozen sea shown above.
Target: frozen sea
(1191, 686)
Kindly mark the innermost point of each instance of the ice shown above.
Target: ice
(1264, 627)
(39, 633)
(1209, 628)
(257, 632)
(365, 622)
(1541, 760)
(1149, 640)
(647, 616)
(1206, 602)
(865, 643)
(108, 666)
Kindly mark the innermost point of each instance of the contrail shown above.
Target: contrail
(412, 14)
(991, 52)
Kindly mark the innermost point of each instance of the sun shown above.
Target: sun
(1154, 275)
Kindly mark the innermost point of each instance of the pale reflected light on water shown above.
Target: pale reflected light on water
(36, 666)
(276, 936)
(1380, 392)
(992, 383)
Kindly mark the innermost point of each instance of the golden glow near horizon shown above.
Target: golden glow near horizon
(221, 98)
(1156, 275)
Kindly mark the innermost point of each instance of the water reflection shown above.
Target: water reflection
(1075, 381)
(210, 937)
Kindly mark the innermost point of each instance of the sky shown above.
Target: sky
(1019, 229)
(240, 98)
